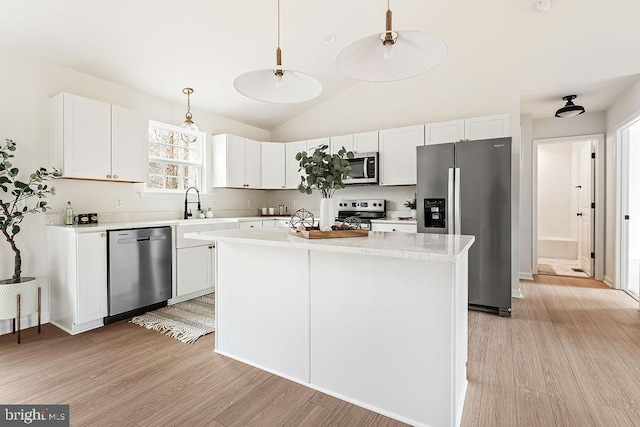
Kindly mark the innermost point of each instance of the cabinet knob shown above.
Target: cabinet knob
(210, 247)
(103, 234)
(109, 176)
(115, 176)
(393, 229)
(252, 226)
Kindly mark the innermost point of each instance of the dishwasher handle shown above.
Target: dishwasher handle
(142, 239)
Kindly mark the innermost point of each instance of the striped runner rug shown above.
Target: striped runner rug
(186, 321)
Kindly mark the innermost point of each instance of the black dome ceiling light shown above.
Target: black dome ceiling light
(570, 109)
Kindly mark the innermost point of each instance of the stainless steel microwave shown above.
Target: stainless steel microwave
(364, 169)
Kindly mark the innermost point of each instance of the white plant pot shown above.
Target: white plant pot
(327, 213)
(28, 290)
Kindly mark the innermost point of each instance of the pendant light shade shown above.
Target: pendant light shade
(392, 55)
(278, 85)
(188, 122)
(570, 109)
(288, 88)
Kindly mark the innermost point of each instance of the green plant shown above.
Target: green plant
(15, 197)
(410, 203)
(325, 172)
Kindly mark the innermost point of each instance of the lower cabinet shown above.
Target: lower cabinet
(401, 228)
(77, 279)
(195, 269)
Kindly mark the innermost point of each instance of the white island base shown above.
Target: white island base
(380, 322)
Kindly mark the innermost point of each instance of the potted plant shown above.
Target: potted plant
(411, 204)
(15, 196)
(324, 172)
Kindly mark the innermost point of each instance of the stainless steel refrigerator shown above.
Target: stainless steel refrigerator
(465, 188)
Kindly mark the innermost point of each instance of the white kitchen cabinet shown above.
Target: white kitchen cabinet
(337, 142)
(90, 139)
(195, 260)
(273, 165)
(282, 223)
(312, 144)
(400, 228)
(444, 132)
(486, 127)
(495, 126)
(398, 155)
(292, 165)
(195, 269)
(77, 279)
(365, 142)
(236, 162)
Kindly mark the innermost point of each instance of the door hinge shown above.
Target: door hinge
(593, 205)
(593, 155)
(593, 255)
(626, 217)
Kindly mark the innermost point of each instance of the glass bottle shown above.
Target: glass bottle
(68, 215)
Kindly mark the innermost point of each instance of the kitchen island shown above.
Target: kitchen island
(379, 321)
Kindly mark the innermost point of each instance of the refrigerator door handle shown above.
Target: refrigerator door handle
(457, 214)
(450, 189)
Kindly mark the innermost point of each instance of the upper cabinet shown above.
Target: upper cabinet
(273, 165)
(365, 142)
(93, 140)
(337, 142)
(312, 144)
(398, 155)
(485, 127)
(292, 175)
(237, 162)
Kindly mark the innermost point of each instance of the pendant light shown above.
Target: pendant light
(278, 85)
(570, 109)
(392, 55)
(188, 122)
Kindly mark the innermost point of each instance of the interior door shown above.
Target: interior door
(585, 213)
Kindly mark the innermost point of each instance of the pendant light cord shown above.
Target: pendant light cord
(278, 71)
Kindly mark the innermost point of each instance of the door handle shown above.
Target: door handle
(579, 214)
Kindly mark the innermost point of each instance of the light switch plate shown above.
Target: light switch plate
(119, 202)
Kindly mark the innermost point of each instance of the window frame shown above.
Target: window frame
(200, 165)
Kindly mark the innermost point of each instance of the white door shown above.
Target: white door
(585, 198)
(337, 142)
(486, 127)
(444, 132)
(235, 162)
(129, 145)
(292, 165)
(630, 209)
(365, 142)
(398, 155)
(273, 168)
(253, 164)
(92, 277)
(194, 269)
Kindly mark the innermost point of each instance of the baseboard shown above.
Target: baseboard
(25, 322)
(192, 295)
(526, 276)
(608, 281)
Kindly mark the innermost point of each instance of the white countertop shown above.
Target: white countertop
(428, 247)
(91, 228)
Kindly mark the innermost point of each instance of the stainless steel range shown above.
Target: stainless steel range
(366, 210)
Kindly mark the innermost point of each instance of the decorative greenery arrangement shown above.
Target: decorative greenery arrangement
(410, 203)
(16, 194)
(325, 172)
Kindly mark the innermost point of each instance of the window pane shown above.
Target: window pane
(169, 148)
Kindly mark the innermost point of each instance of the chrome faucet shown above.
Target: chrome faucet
(188, 213)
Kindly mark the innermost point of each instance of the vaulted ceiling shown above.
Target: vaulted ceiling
(587, 47)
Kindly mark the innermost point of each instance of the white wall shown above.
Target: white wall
(26, 86)
(555, 191)
(585, 124)
(626, 107)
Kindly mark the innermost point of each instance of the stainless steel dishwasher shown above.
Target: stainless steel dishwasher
(139, 271)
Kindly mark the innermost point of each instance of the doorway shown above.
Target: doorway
(629, 221)
(567, 227)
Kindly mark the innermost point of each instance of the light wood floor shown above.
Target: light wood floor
(569, 356)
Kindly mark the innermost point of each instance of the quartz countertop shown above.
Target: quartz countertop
(428, 247)
(92, 228)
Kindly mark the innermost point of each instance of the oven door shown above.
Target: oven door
(364, 169)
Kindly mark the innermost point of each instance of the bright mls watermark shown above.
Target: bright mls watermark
(37, 415)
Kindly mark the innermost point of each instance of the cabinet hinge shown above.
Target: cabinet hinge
(593, 255)
(593, 155)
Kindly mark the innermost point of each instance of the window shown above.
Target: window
(175, 158)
